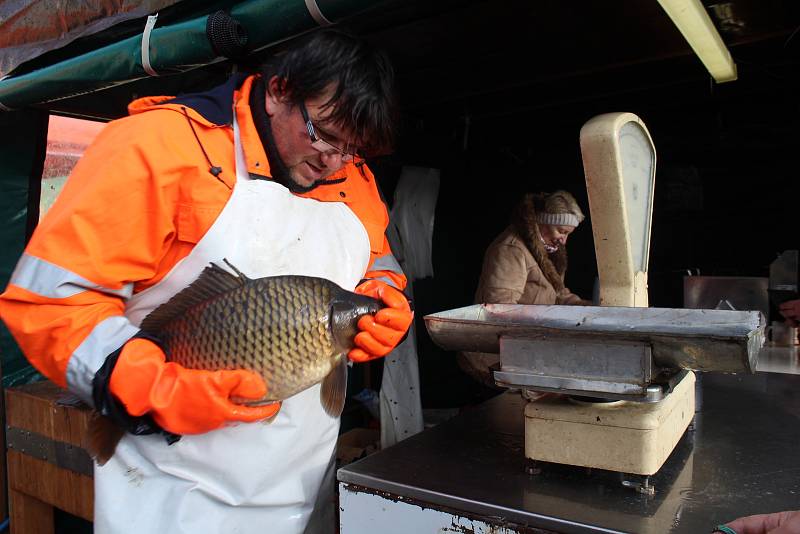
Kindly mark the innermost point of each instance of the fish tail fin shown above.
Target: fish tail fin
(102, 438)
(334, 387)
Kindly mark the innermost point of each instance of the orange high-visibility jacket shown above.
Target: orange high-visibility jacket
(135, 204)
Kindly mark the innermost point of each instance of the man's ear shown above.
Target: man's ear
(276, 95)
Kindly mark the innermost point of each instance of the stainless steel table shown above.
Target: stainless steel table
(743, 457)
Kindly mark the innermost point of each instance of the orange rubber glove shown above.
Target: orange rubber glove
(181, 400)
(380, 333)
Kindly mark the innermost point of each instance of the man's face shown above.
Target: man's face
(555, 235)
(306, 164)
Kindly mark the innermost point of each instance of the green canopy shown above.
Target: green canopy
(178, 47)
(23, 139)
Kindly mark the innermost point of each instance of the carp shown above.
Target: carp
(295, 331)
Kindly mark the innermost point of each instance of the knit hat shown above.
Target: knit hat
(560, 208)
(558, 219)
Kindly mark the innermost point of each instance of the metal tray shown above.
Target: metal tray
(700, 340)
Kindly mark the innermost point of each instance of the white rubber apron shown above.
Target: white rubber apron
(244, 478)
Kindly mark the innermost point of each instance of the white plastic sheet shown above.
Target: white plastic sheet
(410, 235)
(413, 216)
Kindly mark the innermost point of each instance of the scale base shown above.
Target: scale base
(623, 436)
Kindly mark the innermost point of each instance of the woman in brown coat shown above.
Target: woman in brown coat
(526, 264)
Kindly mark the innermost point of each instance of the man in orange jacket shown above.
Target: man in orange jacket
(266, 172)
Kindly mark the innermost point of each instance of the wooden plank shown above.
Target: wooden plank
(35, 407)
(62, 488)
(30, 515)
(3, 479)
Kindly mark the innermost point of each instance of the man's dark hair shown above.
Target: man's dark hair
(363, 102)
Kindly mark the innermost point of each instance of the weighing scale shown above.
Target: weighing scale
(622, 371)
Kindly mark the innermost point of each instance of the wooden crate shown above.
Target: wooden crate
(356, 444)
(47, 464)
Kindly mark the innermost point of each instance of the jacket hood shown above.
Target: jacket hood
(210, 108)
(523, 221)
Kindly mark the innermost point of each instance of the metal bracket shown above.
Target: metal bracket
(63, 455)
(618, 369)
(639, 483)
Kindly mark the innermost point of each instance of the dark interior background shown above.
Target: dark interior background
(498, 104)
(494, 94)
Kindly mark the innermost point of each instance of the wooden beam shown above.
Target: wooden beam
(30, 515)
(53, 486)
(35, 407)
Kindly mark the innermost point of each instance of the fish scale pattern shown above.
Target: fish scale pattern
(278, 327)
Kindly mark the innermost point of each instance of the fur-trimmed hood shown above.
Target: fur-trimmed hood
(523, 220)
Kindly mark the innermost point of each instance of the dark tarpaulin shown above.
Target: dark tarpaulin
(30, 28)
(23, 140)
(176, 47)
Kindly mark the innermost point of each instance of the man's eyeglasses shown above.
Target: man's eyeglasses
(347, 153)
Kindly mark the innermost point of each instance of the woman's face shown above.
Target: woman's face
(555, 235)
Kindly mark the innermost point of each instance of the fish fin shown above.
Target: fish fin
(213, 281)
(239, 273)
(334, 387)
(102, 438)
(272, 417)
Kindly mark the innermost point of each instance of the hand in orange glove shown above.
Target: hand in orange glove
(181, 400)
(380, 333)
